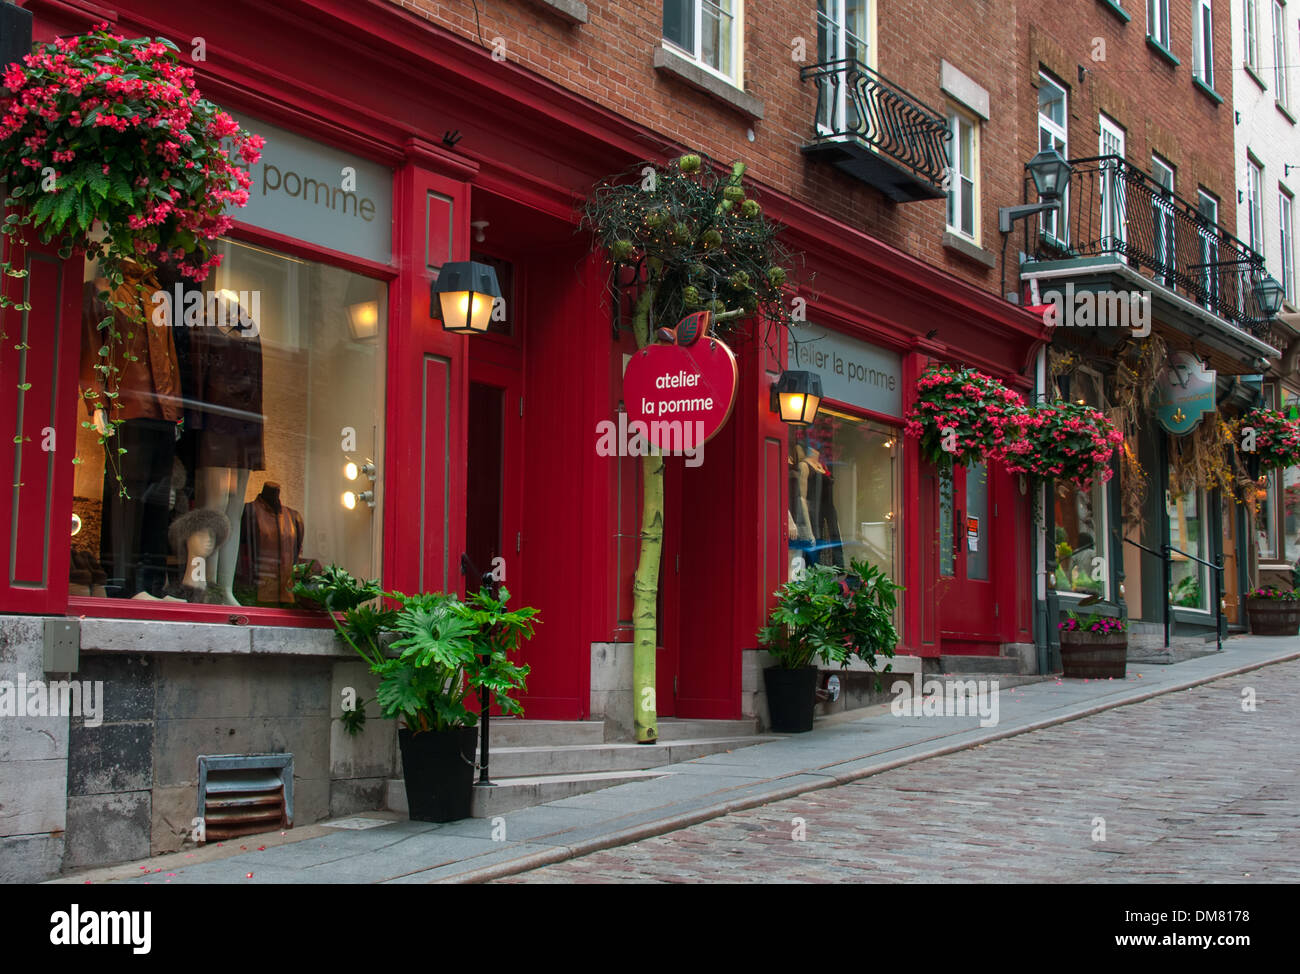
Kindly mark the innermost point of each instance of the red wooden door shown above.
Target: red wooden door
(968, 610)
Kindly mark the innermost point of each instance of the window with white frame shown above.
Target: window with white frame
(963, 175)
(1286, 232)
(1114, 219)
(707, 31)
(1052, 135)
(843, 34)
(1250, 28)
(1158, 21)
(1207, 207)
(1203, 42)
(1162, 218)
(1255, 206)
(1279, 54)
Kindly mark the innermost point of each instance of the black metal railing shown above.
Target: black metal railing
(853, 100)
(1112, 208)
(1165, 554)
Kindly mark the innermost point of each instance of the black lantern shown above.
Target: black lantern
(1268, 295)
(463, 297)
(1050, 172)
(796, 397)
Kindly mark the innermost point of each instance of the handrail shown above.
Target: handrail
(1164, 554)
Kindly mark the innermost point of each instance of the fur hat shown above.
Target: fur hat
(199, 519)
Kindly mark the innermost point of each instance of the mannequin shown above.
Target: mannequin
(226, 416)
(133, 540)
(270, 545)
(195, 537)
(816, 488)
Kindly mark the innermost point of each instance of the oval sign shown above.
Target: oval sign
(682, 393)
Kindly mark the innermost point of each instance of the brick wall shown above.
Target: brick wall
(999, 44)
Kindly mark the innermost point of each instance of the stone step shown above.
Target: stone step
(509, 794)
(511, 732)
(978, 665)
(681, 729)
(508, 762)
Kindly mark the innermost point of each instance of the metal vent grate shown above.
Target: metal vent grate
(240, 794)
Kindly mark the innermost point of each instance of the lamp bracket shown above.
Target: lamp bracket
(1009, 214)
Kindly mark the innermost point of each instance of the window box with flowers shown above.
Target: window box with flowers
(1093, 646)
(1273, 612)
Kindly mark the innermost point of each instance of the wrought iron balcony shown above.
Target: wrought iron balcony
(875, 131)
(1114, 210)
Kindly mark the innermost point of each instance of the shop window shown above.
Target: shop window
(1187, 533)
(240, 402)
(947, 538)
(1291, 502)
(1266, 520)
(844, 493)
(1080, 517)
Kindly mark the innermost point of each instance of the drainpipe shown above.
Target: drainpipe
(1042, 620)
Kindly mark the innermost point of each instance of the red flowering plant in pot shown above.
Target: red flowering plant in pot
(107, 148)
(1065, 441)
(1273, 611)
(1093, 646)
(962, 416)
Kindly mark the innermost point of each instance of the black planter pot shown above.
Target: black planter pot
(439, 770)
(791, 698)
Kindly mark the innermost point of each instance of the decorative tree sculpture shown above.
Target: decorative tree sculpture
(691, 241)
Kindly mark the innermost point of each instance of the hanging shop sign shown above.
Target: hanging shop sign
(1184, 393)
(320, 194)
(682, 388)
(852, 372)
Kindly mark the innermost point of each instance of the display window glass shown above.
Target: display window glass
(844, 493)
(242, 406)
(1187, 532)
(1290, 499)
(1080, 516)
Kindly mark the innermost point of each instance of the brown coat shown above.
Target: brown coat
(270, 543)
(148, 383)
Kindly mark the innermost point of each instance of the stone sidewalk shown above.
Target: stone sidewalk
(845, 748)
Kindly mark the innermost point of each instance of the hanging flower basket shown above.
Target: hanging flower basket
(963, 417)
(1276, 439)
(107, 148)
(1065, 441)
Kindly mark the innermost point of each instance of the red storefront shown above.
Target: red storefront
(486, 445)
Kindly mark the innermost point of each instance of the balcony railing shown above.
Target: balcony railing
(878, 132)
(1114, 209)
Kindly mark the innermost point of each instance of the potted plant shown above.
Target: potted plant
(1273, 611)
(826, 614)
(1093, 646)
(430, 654)
(962, 416)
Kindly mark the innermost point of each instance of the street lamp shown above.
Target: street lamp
(1050, 172)
(463, 296)
(796, 397)
(1268, 295)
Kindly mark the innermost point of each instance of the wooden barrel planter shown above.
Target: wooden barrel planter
(1094, 656)
(1273, 617)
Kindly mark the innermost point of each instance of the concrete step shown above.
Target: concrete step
(511, 732)
(675, 729)
(982, 665)
(509, 794)
(509, 762)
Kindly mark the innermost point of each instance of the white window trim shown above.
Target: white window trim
(841, 110)
(1203, 42)
(1112, 185)
(1286, 237)
(1158, 22)
(1209, 244)
(1280, 54)
(955, 115)
(1166, 207)
(696, 57)
(1255, 205)
(1061, 132)
(1250, 16)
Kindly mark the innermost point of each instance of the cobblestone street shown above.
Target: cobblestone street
(1191, 788)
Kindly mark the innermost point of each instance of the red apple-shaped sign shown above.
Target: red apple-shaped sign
(683, 389)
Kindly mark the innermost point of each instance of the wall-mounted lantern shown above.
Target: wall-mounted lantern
(796, 397)
(1268, 294)
(463, 296)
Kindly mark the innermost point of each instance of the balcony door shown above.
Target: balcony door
(1207, 207)
(1114, 222)
(843, 32)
